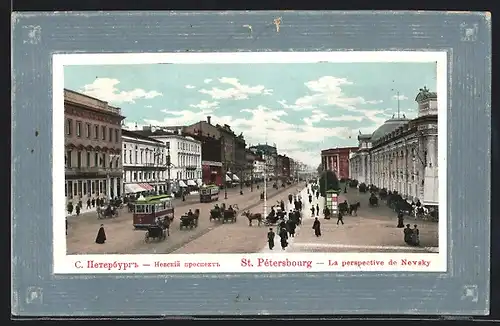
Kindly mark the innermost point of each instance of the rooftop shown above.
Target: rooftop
(135, 134)
(388, 127)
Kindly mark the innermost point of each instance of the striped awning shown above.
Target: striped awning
(132, 188)
(146, 186)
(191, 183)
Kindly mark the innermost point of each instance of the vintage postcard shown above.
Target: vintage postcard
(250, 162)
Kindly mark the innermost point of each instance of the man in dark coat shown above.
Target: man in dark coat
(291, 227)
(407, 234)
(415, 236)
(326, 212)
(101, 235)
(312, 211)
(317, 227)
(400, 220)
(270, 238)
(317, 194)
(310, 199)
(317, 210)
(290, 198)
(340, 218)
(300, 204)
(283, 238)
(282, 205)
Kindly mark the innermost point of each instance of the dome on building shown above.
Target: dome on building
(388, 127)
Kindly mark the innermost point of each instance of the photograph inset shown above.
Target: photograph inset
(251, 158)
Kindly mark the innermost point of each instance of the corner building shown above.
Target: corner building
(402, 154)
(92, 138)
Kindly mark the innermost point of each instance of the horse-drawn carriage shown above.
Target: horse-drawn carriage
(224, 215)
(373, 200)
(155, 231)
(108, 212)
(190, 219)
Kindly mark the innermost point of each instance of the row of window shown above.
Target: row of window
(80, 159)
(188, 175)
(185, 146)
(83, 188)
(89, 131)
(143, 176)
(147, 156)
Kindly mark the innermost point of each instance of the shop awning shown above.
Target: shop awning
(191, 183)
(132, 188)
(199, 182)
(235, 177)
(146, 186)
(228, 178)
(182, 184)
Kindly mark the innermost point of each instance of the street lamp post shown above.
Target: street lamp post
(223, 141)
(169, 190)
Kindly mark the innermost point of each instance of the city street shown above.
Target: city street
(372, 230)
(123, 239)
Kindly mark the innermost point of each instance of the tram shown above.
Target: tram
(146, 210)
(209, 193)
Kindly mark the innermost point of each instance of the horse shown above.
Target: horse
(353, 208)
(253, 216)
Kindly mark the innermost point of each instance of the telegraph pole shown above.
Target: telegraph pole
(168, 169)
(251, 178)
(223, 141)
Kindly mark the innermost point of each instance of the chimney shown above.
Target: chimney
(209, 120)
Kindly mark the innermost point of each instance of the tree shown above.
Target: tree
(319, 169)
(332, 183)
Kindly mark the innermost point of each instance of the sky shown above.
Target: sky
(303, 107)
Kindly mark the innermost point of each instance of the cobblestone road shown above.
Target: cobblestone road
(237, 237)
(373, 230)
(123, 239)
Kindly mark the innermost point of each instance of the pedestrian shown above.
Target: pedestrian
(282, 205)
(270, 238)
(326, 212)
(400, 220)
(77, 209)
(317, 227)
(101, 235)
(93, 202)
(317, 210)
(312, 211)
(310, 199)
(317, 195)
(66, 225)
(340, 218)
(407, 234)
(283, 238)
(291, 227)
(415, 236)
(88, 203)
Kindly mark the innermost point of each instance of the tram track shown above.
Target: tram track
(216, 225)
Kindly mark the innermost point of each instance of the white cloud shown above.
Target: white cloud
(318, 116)
(237, 91)
(207, 81)
(190, 86)
(400, 97)
(203, 105)
(105, 89)
(327, 91)
(149, 106)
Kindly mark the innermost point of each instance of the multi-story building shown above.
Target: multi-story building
(337, 160)
(144, 163)
(283, 167)
(402, 154)
(248, 173)
(293, 169)
(228, 146)
(270, 156)
(259, 167)
(183, 156)
(92, 139)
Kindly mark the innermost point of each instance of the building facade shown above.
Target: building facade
(283, 166)
(259, 166)
(337, 160)
(144, 163)
(402, 154)
(248, 173)
(93, 167)
(183, 156)
(228, 145)
(270, 155)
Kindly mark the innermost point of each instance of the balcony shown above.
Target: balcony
(92, 172)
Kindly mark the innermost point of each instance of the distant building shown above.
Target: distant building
(270, 155)
(402, 154)
(259, 166)
(92, 138)
(248, 174)
(144, 163)
(283, 167)
(337, 160)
